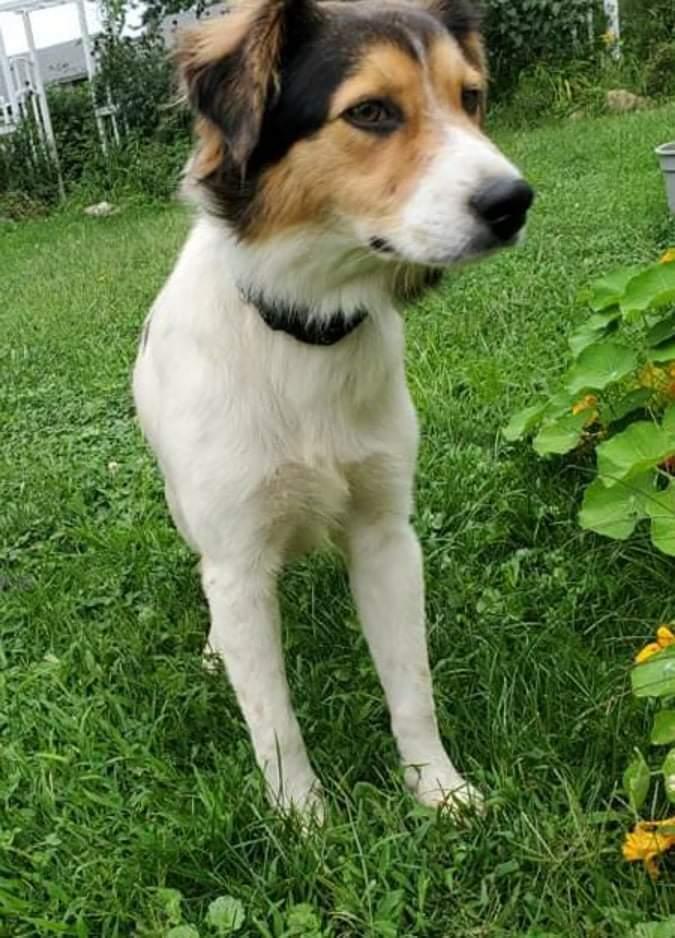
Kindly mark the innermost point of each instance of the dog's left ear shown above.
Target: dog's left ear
(230, 67)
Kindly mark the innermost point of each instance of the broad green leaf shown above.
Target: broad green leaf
(651, 289)
(633, 400)
(638, 448)
(560, 403)
(668, 420)
(182, 931)
(664, 353)
(663, 728)
(668, 769)
(656, 676)
(560, 436)
(636, 780)
(599, 365)
(608, 290)
(591, 330)
(662, 331)
(661, 509)
(614, 512)
(522, 421)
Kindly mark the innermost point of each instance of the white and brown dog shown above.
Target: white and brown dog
(340, 167)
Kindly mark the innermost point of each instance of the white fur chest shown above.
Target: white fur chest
(241, 415)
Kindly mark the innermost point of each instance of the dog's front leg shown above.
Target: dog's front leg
(387, 582)
(246, 634)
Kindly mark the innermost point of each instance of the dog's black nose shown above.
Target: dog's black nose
(503, 204)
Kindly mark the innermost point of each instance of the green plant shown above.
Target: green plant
(653, 678)
(27, 172)
(659, 72)
(645, 23)
(618, 398)
(522, 32)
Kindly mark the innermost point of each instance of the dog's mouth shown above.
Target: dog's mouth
(480, 245)
(382, 246)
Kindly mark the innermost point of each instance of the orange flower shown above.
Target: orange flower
(664, 638)
(668, 257)
(588, 403)
(647, 842)
(651, 376)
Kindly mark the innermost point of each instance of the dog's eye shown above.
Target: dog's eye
(376, 115)
(471, 98)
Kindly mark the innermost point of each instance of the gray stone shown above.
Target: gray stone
(620, 101)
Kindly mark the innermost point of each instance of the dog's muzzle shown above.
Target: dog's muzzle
(503, 205)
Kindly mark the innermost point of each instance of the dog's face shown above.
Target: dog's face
(358, 121)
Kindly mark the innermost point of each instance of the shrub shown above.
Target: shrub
(72, 113)
(150, 168)
(646, 23)
(659, 75)
(140, 76)
(521, 33)
(26, 167)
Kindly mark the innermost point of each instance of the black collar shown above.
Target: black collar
(296, 322)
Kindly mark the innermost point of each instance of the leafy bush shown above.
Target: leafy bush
(72, 113)
(545, 92)
(520, 33)
(25, 165)
(645, 23)
(150, 168)
(140, 77)
(618, 399)
(659, 74)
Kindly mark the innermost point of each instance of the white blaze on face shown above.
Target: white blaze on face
(437, 224)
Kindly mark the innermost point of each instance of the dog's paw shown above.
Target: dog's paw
(441, 786)
(302, 798)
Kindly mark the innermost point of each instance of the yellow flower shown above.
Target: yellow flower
(588, 403)
(664, 638)
(651, 376)
(647, 843)
(668, 257)
(609, 38)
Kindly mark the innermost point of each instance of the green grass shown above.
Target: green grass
(124, 768)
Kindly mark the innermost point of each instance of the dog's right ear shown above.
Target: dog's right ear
(230, 67)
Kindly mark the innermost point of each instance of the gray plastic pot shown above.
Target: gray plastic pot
(666, 154)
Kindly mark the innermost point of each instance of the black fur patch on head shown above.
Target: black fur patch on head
(460, 17)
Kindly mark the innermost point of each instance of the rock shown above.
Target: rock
(619, 101)
(101, 209)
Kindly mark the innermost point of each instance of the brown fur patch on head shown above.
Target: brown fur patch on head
(452, 73)
(344, 171)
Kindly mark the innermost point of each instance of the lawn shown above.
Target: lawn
(125, 769)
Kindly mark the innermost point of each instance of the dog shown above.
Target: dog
(340, 167)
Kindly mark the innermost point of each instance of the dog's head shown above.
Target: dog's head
(358, 121)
